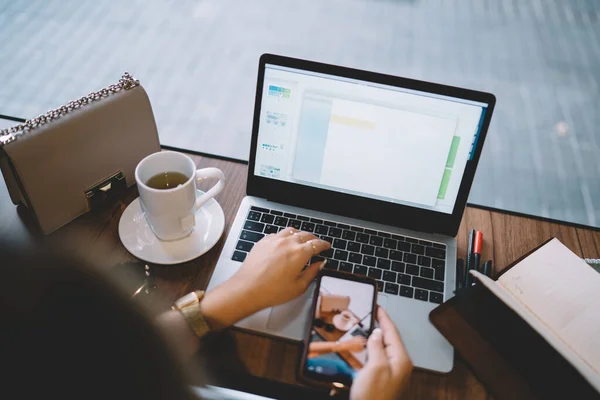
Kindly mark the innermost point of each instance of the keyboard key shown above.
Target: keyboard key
(435, 297)
(251, 236)
(356, 229)
(427, 272)
(348, 235)
(271, 229)
(267, 218)
(369, 260)
(239, 256)
(254, 226)
(428, 284)
(404, 279)
(327, 253)
(391, 288)
(425, 243)
(418, 249)
(424, 261)
(410, 258)
(381, 252)
(362, 238)
(374, 273)
(288, 215)
(370, 231)
(380, 286)
(328, 239)
(384, 234)
(361, 270)
(406, 291)
(412, 269)
(308, 227)
(438, 263)
(321, 229)
(396, 255)
(345, 266)
(343, 226)
(398, 237)
(383, 263)
(259, 209)
(390, 244)
(403, 246)
(376, 241)
(294, 223)
(439, 245)
(434, 252)
(421, 294)
(411, 240)
(398, 266)
(339, 244)
(281, 221)
(389, 276)
(335, 232)
(367, 249)
(316, 220)
(340, 255)
(275, 212)
(355, 258)
(244, 246)
(353, 246)
(329, 223)
(332, 264)
(253, 216)
(438, 273)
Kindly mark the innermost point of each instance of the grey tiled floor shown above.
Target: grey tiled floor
(198, 62)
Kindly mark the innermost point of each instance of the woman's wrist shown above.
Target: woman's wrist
(227, 304)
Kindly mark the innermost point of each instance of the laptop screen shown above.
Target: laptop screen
(366, 139)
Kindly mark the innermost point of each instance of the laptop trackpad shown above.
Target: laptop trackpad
(284, 314)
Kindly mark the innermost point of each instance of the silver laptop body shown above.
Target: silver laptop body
(410, 258)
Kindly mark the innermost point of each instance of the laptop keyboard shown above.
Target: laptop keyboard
(403, 266)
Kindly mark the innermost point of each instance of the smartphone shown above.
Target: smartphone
(342, 318)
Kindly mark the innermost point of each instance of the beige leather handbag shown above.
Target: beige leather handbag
(73, 159)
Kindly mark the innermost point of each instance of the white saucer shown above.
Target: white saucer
(139, 240)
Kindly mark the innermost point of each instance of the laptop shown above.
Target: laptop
(381, 167)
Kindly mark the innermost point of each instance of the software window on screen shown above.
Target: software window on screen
(364, 139)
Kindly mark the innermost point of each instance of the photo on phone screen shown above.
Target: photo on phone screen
(341, 324)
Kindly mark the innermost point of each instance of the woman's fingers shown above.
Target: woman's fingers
(394, 348)
(375, 349)
(310, 273)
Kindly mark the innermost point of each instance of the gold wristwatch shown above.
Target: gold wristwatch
(189, 306)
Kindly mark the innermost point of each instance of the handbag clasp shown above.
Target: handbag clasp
(106, 190)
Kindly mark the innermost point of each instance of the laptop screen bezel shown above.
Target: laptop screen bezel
(352, 206)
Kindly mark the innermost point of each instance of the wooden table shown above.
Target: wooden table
(94, 236)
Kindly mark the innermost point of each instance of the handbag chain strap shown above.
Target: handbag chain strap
(11, 134)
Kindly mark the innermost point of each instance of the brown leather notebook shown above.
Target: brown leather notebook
(505, 352)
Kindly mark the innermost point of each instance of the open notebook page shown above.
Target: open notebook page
(563, 293)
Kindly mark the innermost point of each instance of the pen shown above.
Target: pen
(487, 269)
(470, 245)
(477, 251)
(460, 273)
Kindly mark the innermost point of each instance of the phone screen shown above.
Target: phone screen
(341, 324)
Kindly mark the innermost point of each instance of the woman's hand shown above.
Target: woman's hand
(272, 274)
(387, 372)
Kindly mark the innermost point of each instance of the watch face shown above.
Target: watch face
(187, 300)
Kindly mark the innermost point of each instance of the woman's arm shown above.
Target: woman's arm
(356, 343)
(273, 273)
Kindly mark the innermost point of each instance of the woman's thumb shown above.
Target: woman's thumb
(375, 349)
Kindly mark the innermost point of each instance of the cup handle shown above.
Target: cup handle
(207, 173)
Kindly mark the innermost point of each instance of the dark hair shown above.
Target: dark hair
(66, 332)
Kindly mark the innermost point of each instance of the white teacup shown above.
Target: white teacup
(171, 212)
